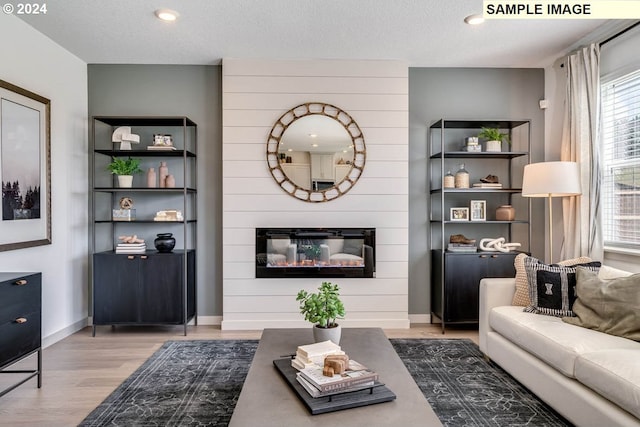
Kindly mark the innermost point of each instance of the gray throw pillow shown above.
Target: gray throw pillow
(610, 306)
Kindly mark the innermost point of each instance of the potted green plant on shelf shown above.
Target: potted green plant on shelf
(494, 138)
(322, 309)
(124, 169)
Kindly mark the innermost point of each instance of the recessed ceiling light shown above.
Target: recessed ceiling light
(167, 14)
(314, 145)
(313, 135)
(474, 19)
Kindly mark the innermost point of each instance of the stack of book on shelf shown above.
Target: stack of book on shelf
(355, 377)
(131, 248)
(491, 185)
(462, 247)
(161, 147)
(314, 354)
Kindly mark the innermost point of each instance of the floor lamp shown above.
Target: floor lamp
(551, 179)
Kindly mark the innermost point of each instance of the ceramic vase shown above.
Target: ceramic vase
(505, 213)
(165, 242)
(151, 178)
(325, 334)
(170, 181)
(163, 171)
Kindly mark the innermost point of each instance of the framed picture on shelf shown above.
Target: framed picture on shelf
(478, 210)
(459, 214)
(25, 168)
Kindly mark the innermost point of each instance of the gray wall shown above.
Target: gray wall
(177, 90)
(462, 93)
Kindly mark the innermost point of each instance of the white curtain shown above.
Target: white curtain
(581, 215)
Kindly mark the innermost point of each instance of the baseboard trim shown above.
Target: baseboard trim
(208, 321)
(419, 318)
(65, 332)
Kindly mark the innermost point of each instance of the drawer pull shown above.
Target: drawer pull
(143, 257)
(483, 256)
(130, 257)
(21, 320)
(494, 256)
(21, 282)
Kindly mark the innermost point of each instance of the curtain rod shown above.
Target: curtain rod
(618, 34)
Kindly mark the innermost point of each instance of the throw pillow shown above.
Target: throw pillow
(609, 306)
(552, 287)
(521, 296)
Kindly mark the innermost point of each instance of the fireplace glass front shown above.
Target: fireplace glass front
(315, 252)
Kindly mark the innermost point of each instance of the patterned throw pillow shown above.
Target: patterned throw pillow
(521, 296)
(552, 288)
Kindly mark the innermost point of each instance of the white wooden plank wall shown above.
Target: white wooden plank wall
(255, 94)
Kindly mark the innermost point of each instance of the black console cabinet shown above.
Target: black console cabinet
(458, 301)
(20, 323)
(143, 289)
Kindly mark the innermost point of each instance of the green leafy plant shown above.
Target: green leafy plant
(493, 134)
(322, 308)
(119, 166)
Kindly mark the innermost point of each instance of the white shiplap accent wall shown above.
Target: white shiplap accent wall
(255, 94)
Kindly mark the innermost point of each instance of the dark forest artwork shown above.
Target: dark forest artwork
(19, 205)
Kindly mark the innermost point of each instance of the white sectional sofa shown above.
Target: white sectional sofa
(591, 378)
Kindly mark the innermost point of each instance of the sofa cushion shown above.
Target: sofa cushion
(550, 339)
(521, 296)
(614, 374)
(610, 306)
(552, 287)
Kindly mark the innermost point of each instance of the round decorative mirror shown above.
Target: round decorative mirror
(316, 152)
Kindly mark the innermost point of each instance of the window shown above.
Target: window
(621, 161)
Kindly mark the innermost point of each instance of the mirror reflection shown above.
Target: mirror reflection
(316, 152)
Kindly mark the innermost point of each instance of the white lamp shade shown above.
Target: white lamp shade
(551, 179)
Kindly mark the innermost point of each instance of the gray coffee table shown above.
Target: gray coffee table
(267, 400)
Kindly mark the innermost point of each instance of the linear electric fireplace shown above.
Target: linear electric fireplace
(315, 252)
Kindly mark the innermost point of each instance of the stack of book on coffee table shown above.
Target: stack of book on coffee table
(355, 377)
(326, 380)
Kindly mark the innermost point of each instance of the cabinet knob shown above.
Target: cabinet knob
(21, 282)
(21, 320)
(130, 257)
(494, 256)
(483, 256)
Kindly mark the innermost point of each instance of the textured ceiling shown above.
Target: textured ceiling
(424, 33)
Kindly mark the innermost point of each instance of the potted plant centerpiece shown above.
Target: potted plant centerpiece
(322, 309)
(124, 169)
(494, 138)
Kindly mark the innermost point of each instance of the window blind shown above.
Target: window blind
(621, 161)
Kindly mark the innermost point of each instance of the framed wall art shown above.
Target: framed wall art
(478, 210)
(459, 214)
(25, 168)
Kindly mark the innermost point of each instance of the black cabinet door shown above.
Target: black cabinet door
(162, 294)
(116, 287)
(462, 275)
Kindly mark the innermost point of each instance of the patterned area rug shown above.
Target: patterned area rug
(197, 383)
(184, 383)
(465, 390)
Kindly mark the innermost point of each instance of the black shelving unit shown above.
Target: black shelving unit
(127, 289)
(455, 276)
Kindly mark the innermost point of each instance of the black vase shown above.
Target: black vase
(165, 242)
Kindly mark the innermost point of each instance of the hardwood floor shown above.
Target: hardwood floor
(80, 371)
